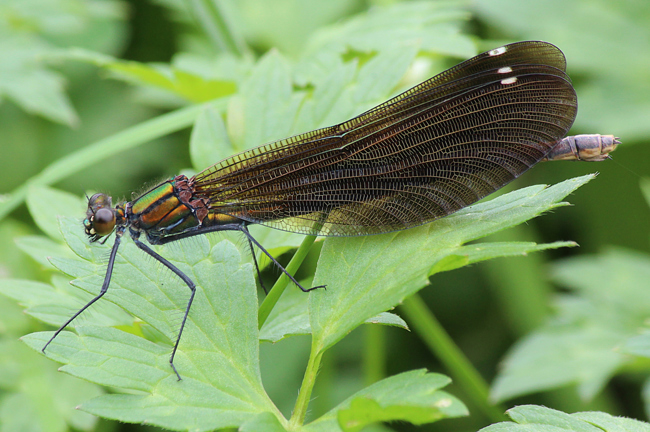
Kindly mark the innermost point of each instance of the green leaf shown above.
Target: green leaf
(218, 355)
(290, 317)
(434, 26)
(645, 189)
(25, 80)
(188, 85)
(265, 108)
(42, 248)
(413, 396)
(390, 319)
(54, 304)
(30, 383)
(581, 344)
(381, 74)
(531, 418)
(266, 422)
(358, 268)
(45, 204)
(345, 90)
(471, 254)
(12, 319)
(287, 24)
(209, 142)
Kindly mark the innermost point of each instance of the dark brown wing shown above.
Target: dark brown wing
(422, 155)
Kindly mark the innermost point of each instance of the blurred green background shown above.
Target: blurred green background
(52, 105)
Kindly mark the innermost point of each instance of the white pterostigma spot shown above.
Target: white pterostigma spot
(497, 51)
(503, 70)
(510, 80)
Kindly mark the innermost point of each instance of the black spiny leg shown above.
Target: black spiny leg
(257, 267)
(243, 228)
(181, 275)
(236, 227)
(107, 281)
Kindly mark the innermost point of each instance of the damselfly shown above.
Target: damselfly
(422, 155)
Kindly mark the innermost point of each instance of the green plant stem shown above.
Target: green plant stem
(102, 149)
(282, 282)
(374, 354)
(523, 291)
(462, 371)
(308, 381)
(213, 19)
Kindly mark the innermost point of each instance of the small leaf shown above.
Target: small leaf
(289, 317)
(194, 88)
(387, 318)
(645, 189)
(266, 107)
(381, 74)
(25, 80)
(472, 254)
(413, 396)
(581, 344)
(30, 384)
(47, 204)
(436, 26)
(42, 248)
(531, 418)
(209, 142)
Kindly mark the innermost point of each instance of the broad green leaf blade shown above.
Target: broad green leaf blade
(381, 74)
(608, 422)
(331, 100)
(218, 354)
(25, 80)
(30, 383)
(645, 189)
(472, 254)
(556, 357)
(265, 108)
(46, 203)
(347, 89)
(435, 26)
(413, 396)
(581, 345)
(209, 142)
(532, 418)
(387, 268)
(41, 249)
(290, 317)
(192, 87)
(266, 422)
(55, 303)
(12, 319)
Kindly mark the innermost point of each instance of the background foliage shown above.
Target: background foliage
(113, 87)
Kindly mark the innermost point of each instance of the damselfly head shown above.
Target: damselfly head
(100, 216)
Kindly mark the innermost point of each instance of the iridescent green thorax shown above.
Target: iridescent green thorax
(168, 208)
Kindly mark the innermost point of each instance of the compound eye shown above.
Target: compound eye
(103, 221)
